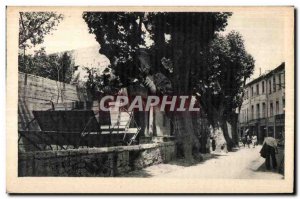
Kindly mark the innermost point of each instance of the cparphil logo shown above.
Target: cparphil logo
(139, 103)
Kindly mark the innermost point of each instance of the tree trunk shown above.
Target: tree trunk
(187, 142)
(219, 123)
(229, 141)
(233, 122)
(140, 117)
(218, 131)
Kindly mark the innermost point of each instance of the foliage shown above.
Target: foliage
(105, 82)
(186, 48)
(119, 35)
(33, 26)
(189, 35)
(229, 65)
(54, 66)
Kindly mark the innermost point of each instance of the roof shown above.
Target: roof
(278, 68)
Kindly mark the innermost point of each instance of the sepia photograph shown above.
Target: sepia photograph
(118, 97)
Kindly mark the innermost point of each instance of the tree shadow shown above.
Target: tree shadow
(280, 164)
(143, 173)
(195, 161)
(181, 162)
(234, 149)
(202, 158)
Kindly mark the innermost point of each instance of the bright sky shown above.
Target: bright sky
(264, 37)
(71, 33)
(263, 34)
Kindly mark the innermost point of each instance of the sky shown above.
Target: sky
(263, 34)
(71, 33)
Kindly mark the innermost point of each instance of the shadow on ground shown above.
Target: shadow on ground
(196, 161)
(176, 164)
(138, 174)
(201, 159)
(280, 164)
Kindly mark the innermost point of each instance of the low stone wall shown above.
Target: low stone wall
(109, 161)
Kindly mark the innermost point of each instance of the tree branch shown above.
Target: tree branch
(33, 31)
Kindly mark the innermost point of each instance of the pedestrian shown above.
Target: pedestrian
(213, 144)
(254, 141)
(244, 141)
(208, 145)
(268, 151)
(248, 140)
(280, 139)
(224, 148)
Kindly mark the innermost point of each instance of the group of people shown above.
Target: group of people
(248, 139)
(268, 151)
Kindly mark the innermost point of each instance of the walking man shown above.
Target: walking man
(248, 140)
(244, 141)
(254, 140)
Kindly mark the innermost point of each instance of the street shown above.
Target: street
(244, 163)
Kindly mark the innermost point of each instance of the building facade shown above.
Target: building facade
(262, 112)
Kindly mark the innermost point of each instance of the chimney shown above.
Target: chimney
(259, 71)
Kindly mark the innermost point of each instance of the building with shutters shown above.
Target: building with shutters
(263, 110)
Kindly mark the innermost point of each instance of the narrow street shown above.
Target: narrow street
(245, 163)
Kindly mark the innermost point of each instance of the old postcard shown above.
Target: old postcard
(150, 100)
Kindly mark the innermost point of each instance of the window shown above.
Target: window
(241, 116)
(246, 94)
(257, 111)
(271, 109)
(251, 91)
(274, 84)
(277, 108)
(283, 104)
(279, 82)
(263, 110)
(270, 87)
(257, 89)
(263, 87)
(252, 112)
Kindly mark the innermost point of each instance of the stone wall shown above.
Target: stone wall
(109, 161)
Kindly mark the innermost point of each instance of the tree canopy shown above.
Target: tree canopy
(33, 26)
(121, 34)
(188, 49)
(229, 65)
(56, 67)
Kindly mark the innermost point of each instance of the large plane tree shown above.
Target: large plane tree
(221, 87)
(180, 42)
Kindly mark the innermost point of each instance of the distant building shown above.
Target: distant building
(262, 112)
(87, 57)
